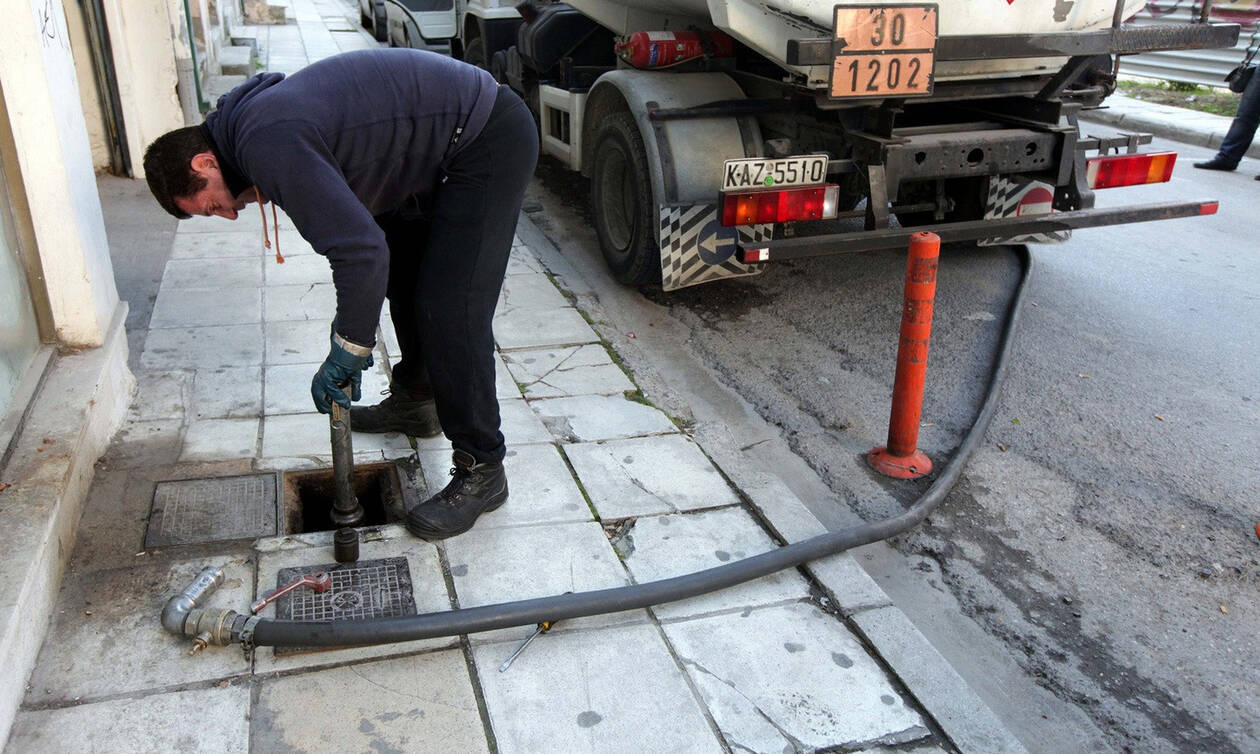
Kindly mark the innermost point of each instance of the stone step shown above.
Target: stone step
(214, 87)
(236, 60)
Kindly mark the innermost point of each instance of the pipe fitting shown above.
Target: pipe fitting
(217, 627)
(175, 612)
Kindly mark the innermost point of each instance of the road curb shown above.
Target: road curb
(960, 712)
(1165, 121)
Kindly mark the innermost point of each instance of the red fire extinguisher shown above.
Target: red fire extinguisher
(661, 49)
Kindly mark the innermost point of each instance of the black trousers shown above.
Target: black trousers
(447, 262)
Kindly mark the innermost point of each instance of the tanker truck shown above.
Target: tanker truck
(722, 135)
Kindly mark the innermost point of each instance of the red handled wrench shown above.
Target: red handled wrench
(318, 582)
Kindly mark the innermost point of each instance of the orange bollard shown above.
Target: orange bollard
(901, 458)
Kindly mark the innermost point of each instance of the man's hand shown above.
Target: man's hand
(344, 365)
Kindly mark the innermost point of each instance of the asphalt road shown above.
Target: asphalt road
(1096, 573)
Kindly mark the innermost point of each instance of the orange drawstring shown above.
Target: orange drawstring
(275, 224)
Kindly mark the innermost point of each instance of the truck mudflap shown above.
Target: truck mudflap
(1020, 197)
(971, 230)
(696, 248)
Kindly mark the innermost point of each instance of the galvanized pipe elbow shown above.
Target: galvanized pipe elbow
(175, 612)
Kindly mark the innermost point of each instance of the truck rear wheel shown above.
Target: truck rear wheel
(621, 198)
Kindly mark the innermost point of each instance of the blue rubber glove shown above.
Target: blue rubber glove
(343, 366)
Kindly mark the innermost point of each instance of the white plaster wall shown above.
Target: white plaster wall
(142, 35)
(93, 116)
(42, 97)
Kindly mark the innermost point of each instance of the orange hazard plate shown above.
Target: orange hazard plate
(884, 51)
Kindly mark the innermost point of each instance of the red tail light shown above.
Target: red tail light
(1129, 169)
(780, 206)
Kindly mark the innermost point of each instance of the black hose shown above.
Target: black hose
(567, 606)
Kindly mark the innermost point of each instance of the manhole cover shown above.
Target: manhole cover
(208, 510)
(360, 591)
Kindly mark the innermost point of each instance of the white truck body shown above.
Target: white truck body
(767, 26)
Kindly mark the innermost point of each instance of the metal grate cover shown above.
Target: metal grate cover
(360, 591)
(192, 511)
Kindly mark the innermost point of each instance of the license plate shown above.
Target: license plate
(754, 173)
(884, 51)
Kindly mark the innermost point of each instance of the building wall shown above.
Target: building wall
(90, 96)
(142, 33)
(55, 170)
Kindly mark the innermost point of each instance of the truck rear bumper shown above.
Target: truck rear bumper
(972, 230)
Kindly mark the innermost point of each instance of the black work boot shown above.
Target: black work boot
(475, 489)
(403, 410)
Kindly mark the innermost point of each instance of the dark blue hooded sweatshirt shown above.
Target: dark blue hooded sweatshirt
(343, 140)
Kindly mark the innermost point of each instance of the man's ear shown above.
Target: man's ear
(204, 162)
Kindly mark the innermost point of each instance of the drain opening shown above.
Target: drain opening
(309, 496)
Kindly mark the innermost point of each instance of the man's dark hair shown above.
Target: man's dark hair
(168, 168)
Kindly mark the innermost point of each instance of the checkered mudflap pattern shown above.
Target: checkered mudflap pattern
(696, 248)
(1010, 197)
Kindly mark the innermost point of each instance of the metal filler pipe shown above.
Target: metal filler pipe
(346, 510)
(224, 627)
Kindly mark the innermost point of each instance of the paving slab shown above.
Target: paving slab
(658, 547)
(420, 703)
(145, 443)
(288, 387)
(559, 372)
(219, 439)
(600, 417)
(212, 273)
(841, 575)
(196, 347)
(242, 244)
(245, 222)
(601, 691)
(105, 637)
(963, 715)
(489, 566)
(307, 435)
(388, 336)
(529, 292)
(520, 425)
(806, 683)
(522, 261)
(303, 269)
(200, 307)
(644, 475)
(163, 394)
(223, 392)
(297, 342)
(213, 719)
(504, 385)
(307, 301)
(538, 328)
(375, 543)
(540, 487)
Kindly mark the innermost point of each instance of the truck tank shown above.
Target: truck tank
(767, 26)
